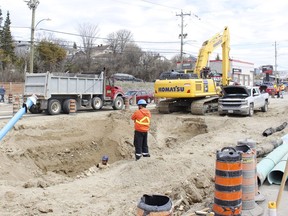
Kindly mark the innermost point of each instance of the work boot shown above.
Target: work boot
(137, 157)
(146, 155)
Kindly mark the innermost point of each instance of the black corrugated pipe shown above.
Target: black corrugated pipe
(271, 130)
(268, 132)
(281, 127)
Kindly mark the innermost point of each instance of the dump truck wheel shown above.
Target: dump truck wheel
(54, 107)
(118, 103)
(34, 109)
(97, 103)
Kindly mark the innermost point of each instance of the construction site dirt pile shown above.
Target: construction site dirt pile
(48, 162)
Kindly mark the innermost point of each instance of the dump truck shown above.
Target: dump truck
(54, 92)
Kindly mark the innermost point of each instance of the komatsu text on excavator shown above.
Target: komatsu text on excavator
(196, 92)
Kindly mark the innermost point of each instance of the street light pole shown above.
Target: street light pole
(32, 4)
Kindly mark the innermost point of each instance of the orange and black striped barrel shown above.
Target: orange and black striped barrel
(252, 144)
(10, 98)
(228, 183)
(248, 171)
(16, 105)
(72, 106)
(126, 102)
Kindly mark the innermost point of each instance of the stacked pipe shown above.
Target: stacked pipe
(265, 166)
(276, 174)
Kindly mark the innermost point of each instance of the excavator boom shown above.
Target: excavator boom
(208, 47)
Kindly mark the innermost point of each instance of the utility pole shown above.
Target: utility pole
(32, 4)
(276, 59)
(182, 36)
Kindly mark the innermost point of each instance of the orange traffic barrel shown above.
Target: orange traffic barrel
(16, 105)
(248, 171)
(155, 205)
(228, 183)
(10, 98)
(252, 144)
(126, 102)
(72, 106)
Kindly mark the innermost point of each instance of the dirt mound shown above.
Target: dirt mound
(71, 145)
(47, 161)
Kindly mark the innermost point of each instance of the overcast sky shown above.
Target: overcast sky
(255, 25)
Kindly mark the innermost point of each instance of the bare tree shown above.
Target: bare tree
(118, 40)
(88, 33)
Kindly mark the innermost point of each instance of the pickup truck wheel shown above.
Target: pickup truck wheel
(54, 107)
(251, 110)
(118, 103)
(265, 107)
(97, 103)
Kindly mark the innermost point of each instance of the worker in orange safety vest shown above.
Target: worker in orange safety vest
(141, 118)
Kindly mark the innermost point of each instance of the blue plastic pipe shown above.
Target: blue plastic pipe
(30, 101)
(269, 162)
(276, 174)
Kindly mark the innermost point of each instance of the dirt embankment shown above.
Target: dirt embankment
(48, 162)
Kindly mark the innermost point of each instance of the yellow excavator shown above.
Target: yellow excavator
(196, 92)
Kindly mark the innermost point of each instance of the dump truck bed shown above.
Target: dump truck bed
(46, 84)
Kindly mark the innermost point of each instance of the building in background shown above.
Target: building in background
(241, 72)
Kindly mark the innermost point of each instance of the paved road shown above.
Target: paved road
(6, 110)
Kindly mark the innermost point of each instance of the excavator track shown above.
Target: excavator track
(202, 106)
(199, 106)
(163, 107)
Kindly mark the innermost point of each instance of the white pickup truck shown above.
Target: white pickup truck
(242, 100)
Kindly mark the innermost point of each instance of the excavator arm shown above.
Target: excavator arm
(208, 47)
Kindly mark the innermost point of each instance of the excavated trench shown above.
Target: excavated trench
(76, 144)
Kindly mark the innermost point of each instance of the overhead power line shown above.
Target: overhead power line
(78, 35)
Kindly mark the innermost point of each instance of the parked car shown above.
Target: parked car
(271, 89)
(140, 94)
(125, 77)
(268, 87)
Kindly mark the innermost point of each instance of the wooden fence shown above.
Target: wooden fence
(14, 88)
